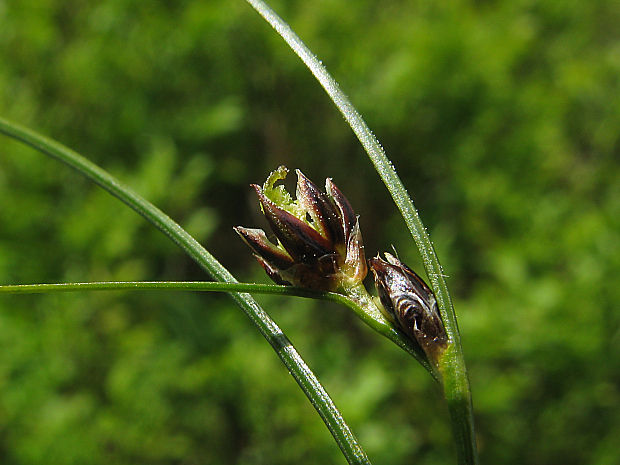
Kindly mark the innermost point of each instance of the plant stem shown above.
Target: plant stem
(452, 366)
(289, 356)
(205, 286)
(458, 398)
(357, 299)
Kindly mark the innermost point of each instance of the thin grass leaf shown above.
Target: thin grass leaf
(298, 368)
(456, 383)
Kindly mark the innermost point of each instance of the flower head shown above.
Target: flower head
(409, 303)
(319, 243)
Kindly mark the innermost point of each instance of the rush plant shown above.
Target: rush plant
(318, 253)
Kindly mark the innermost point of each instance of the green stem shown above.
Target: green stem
(298, 368)
(458, 398)
(357, 299)
(457, 390)
(202, 286)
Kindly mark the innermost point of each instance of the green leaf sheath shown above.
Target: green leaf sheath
(456, 382)
(306, 379)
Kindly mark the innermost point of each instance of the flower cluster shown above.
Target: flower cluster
(319, 243)
(319, 246)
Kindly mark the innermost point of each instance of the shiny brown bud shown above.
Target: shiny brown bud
(409, 304)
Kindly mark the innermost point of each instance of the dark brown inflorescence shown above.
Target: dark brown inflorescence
(409, 304)
(319, 243)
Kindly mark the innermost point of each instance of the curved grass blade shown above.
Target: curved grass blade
(298, 368)
(452, 364)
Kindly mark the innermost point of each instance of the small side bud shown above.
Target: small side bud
(409, 304)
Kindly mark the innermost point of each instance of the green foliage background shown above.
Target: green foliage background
(502, 118)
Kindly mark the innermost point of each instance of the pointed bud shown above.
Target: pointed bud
(409, 303)
(300, 240)
(257, 240)
(356, 258)
(322, 212)
(345, 211)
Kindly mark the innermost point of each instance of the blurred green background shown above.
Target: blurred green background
(503, 120)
